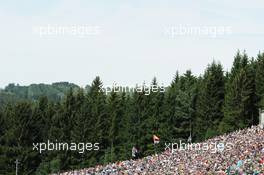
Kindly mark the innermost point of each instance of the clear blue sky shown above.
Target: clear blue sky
(132, 45)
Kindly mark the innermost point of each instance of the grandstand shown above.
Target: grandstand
(246, 156)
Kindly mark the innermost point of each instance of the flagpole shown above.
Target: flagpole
(155, 149)
(17, 162)
(190, 130)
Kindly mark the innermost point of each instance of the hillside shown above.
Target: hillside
(54, 91)
(204, 107)
(243, 153)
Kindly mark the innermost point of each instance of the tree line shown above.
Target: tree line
(211, 104)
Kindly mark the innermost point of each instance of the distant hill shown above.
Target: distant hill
(54, 91)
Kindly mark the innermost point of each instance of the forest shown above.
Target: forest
(214, 103)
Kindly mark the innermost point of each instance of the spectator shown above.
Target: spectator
(246, 156)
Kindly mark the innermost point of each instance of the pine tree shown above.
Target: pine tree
(79, 132)
(125, 127)
(2, 124)
(68, 118)
(210, 102)
(168, 118)
(3, 130)
(185, 105)
(114, 132)
(240, 100)
(204, 106)
(179, 108)
(154, 109)
(139, 118)
(99, 117)
(260, 80)
(22, 132)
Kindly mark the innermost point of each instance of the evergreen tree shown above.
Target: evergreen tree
(114, 132)
(22, 133)
(79, 132)
(125, 127)
(203, 106)
(210, 102)
(154, 109)
(168, 119)
(185, 105)
(260, 80)
(99, 117)
(138, 119)
(240, 101)
(180, 107)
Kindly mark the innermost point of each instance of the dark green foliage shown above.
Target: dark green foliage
(204, 106)
(210, 102)
(53, 92)
(100, 123)
(179, 108)
(260, 80)
(7, 97)
(240, 99)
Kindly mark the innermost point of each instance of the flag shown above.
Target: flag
(156, 139)
(189, 139)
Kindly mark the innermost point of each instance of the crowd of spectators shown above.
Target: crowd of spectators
(244, 156)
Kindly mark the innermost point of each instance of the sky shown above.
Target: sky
(126, 42)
